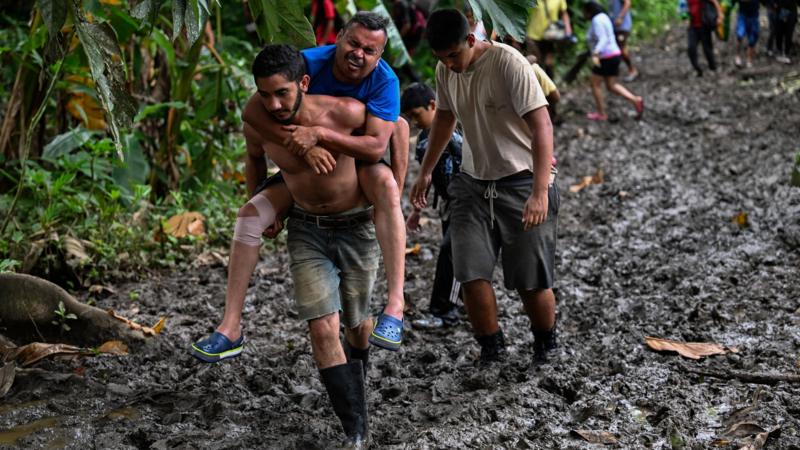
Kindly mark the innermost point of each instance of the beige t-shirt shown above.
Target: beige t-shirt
(489, 99)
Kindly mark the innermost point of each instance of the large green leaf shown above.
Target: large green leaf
(195, 19)
(178, 13)
(65, 143)
(506, 17)
(147, 11)
(100, 45)
(282, 21)
(54, 13)
(395, 53)
(135, 169)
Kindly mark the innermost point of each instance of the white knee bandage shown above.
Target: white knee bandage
(248, 229)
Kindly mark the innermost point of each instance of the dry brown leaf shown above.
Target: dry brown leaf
(692, 350)
(585, 181)
(744, 429)
(181, 225)
(720, 442)
(99, 289)
(236, 176)
(7, 374)
(759, 440)
(135, 326)
(113, 348)
(596, 437)
(159, 325)
(414, 250)
(36, 351)
(84, 107)
(597, 178)
(741, 220)
(75, 250)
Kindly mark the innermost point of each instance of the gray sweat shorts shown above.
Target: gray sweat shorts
(486, 220)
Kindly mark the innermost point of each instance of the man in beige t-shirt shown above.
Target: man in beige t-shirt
(504, 201)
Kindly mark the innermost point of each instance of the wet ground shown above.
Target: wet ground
(654, 250)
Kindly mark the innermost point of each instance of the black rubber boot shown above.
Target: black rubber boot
(357, 354)
(345, 386)
(493, 348)
(544, 342)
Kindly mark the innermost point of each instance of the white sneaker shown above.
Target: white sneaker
(749, 65)
(738, 61)
(783, 59)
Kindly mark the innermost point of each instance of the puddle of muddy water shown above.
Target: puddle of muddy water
(10, 437)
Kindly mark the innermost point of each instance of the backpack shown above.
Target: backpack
(449, 163)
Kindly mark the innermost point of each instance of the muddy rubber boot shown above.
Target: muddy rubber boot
(357, 354)
(345, 386)
(544, 342)
(493, 348)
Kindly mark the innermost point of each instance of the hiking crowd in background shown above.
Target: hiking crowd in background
(485, 145)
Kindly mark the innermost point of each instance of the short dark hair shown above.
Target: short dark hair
(446, 29)
(416, 95)
(369, 20)
(592, 8)
(279, 58)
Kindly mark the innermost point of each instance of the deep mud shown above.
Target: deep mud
(652, 251)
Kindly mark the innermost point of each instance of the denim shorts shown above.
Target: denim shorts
(481, 230)
(747, 26)
(333, 269)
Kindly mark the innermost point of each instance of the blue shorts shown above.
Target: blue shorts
(333, 269)
(747, 26)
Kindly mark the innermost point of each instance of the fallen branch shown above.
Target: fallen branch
(749, 377)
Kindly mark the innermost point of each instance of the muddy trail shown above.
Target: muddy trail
(653, 250)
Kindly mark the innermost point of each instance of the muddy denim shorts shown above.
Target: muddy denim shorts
(333, 268)
(486, 220)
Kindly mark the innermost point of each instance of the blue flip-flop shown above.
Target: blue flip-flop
(388, 333)
(217, 347)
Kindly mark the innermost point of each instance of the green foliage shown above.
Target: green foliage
(507, 17)
(100, 44)
(62, 316)
(282, 21)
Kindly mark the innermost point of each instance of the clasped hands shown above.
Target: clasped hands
(302, 141)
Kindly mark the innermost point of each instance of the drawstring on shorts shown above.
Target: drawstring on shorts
(491, 194)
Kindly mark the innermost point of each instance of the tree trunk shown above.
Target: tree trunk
(27, 310)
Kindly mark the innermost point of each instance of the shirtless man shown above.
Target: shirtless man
(351, 68)
(333, 252)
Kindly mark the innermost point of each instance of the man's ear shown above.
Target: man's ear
(471, 40)
(431, 105)
(304, 82)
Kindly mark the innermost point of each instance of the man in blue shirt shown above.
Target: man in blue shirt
(353, 67)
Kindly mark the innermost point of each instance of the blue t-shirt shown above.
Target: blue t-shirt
(615, 7)
(380, 91)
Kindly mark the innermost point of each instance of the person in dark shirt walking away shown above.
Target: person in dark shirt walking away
(419, 105)
(785, 21)
(700, 32)
(746, 26)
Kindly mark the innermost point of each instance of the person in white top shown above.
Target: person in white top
(504, 200)
(606, 57)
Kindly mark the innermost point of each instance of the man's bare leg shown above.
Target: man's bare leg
(244, 257)
(378, 184)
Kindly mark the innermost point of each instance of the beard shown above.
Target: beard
(295, 108)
